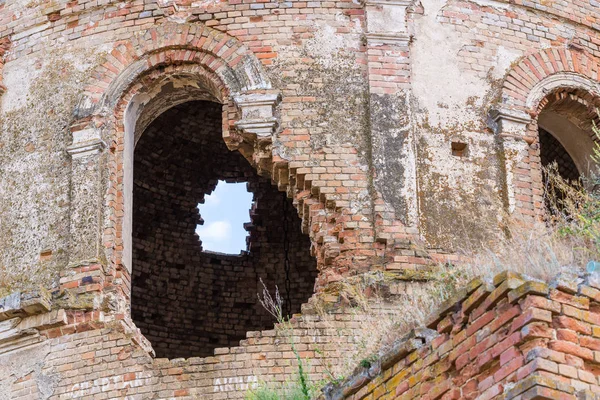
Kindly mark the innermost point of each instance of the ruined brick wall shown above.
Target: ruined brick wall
(366, 123)
(379, 136)
(513, 338)
(186, 301)
(75, 355)
(369, 112)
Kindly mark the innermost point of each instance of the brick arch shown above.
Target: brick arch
(538, 74)
(341, 240)
(534, 83)
(114, 121)
(169, 63)
(211, 60)
(583, 109)
(235, 75)
(225, 56)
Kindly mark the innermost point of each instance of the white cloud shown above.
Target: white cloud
(215, 231)
(212, 200)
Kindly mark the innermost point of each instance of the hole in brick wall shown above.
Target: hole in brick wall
(185, 300)
(459, 149)
(225, 217)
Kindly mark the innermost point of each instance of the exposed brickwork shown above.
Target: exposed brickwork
(326, 182)
(349, 108)
(83, 357)
(514, 339)
(224, 37)
(526, 88)
(539, 66)
(188, 302)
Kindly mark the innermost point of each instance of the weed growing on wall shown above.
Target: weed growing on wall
(378, 321)
(288, 391)
(565, 242)
(575, 206)
(301, 388)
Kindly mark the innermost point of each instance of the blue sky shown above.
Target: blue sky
(224, 212)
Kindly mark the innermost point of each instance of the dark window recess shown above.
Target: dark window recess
(552, 151)
(185, 300)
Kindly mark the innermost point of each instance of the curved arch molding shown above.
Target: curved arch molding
(538, 74)
(238, 79)
(514, 118)
(237, 67)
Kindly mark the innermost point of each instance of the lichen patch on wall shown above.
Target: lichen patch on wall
(34, 167)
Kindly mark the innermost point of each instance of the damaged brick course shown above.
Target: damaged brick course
(395, 130)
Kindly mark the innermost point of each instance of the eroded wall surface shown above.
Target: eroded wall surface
(396, 129)
(370, 109)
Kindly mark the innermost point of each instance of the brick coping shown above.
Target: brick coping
(472, 303)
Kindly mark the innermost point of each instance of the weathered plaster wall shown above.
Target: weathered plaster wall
(42, 91)
(398, 115)
(453, 87)
(320, 107)
(450, 103)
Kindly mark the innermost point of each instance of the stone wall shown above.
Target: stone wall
(362, 139)
(363, 134)
(84, 355)
(513, 338)
(510, 338)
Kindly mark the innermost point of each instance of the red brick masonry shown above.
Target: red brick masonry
(514, 339)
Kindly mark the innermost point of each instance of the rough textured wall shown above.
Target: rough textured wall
(513, 339)
(372, 118)
(316, 81)
(455, 85)
(381, 92)
(74, 355)
(34, 167)
(186, 301)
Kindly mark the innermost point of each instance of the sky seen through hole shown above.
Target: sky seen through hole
(224, 213)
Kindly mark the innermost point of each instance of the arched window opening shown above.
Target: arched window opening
(186, 299)
(555, 159)
(566, 138)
